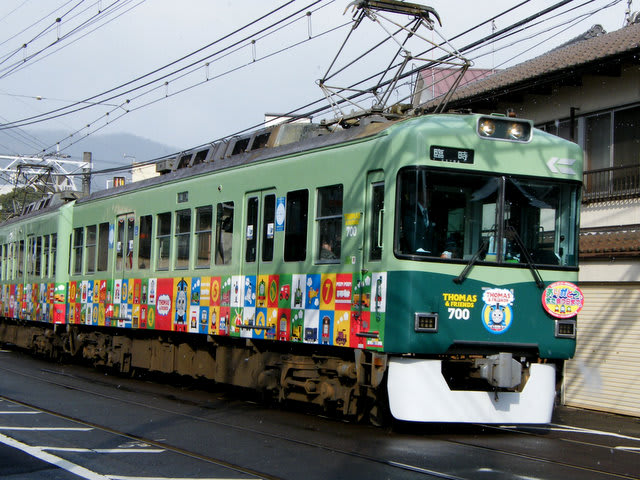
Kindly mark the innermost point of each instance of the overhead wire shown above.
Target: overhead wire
(95, 99)
(300, 111)
(468, 47)
(60, 40)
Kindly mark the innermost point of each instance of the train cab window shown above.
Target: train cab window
(163, 241)
(103, 247)
(204, 222)
(144, 242)
(224, 233)
(78, 246)
(92, 238)
(295, 232)
(329, 224)
(251, 233)
(183, 239)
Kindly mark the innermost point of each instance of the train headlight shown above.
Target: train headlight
(486, 127)
(496, 128)
(516, 131)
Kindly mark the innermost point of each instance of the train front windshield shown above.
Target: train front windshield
(458, 215)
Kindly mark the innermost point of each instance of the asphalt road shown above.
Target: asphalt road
(68, 422)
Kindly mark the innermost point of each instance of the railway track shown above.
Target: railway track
(496, 445)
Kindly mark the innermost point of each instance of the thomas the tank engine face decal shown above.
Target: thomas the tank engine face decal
(562, 300)
(497, 313)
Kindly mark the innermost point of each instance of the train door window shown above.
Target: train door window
(329, 223)
(3, 261)
(163, 241)
(54, 250)
(295, 235)
(204, 222)
(46, 245)
(91, 248)
(144, 242)
(251, 236)
(124, 242)
(183, 238)
(20, 259)
(30, 255)
(38, 265)
(377, 221)
(224, 232)
(103, 247)
(78, 240)
(268, 227)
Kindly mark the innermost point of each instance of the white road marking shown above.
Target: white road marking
(46, 429)
(102, 450)
(18, 412)
(53, 460)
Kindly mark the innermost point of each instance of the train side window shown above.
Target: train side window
(103, 247)
(54, 248)
(91, 248)
(295, 234)
(163, 241)
(377, 221)
(183, 238)
(78, 240)
(224, 232)
(329, 224)
(204, 221)
(252, 227)
(144, 242)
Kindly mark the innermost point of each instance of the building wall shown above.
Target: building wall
(622, 212)
(597, 92)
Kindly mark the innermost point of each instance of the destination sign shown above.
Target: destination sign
(449, 154)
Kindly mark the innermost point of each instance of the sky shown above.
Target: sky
(98, 45)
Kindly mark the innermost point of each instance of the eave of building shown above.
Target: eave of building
(604, 55)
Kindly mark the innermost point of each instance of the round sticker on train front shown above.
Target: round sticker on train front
(562, 300)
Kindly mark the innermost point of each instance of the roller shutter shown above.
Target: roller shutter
(605, 373)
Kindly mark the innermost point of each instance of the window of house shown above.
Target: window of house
(329, 224)
(295, 235)
(224, 232)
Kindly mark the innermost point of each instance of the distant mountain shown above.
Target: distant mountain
(107, 151)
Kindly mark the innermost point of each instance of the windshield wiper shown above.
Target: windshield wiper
(460, 278)
(527, 257)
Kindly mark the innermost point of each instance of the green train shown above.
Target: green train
(423, 265)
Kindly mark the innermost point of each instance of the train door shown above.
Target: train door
(125, 225)
(259, 236)
(373, 239)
